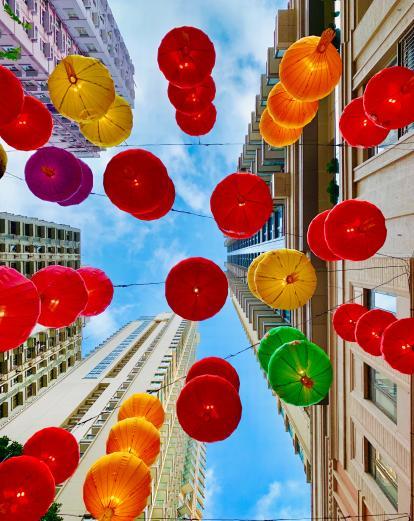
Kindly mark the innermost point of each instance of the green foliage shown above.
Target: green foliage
(9, 448)
(333, 166)
(14, 17)
(12, 54)
(53, 513)
(333, 191)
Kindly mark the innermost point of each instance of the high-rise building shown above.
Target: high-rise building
(150, 354)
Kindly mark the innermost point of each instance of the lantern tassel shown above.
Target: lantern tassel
(326, 38)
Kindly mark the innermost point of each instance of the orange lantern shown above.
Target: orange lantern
(143, 405)
(274, 134)
(287, 111)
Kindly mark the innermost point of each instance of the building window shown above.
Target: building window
(383, 393)
(384, 475)
(406, 58)
(378, 300)
(82, 31)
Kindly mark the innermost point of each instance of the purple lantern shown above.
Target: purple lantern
(53, 174)
(85, 187)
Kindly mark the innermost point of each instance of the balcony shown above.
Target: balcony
(285, 30)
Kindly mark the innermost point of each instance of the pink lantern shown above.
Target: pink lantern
(85, 187)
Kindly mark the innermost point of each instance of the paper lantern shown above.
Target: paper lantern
(81, 88)
(215, 366)
(369, 329)
(112, 128)
(165, 204)
(186, 56)
(345, 318)
(136, 181)
(3, 160)
(287, 111)
(143, 405)
(27, 489)
(209, 408)
(274, 134)
(198, 123)
(251, 273)
(194, 99)
(389, 97)
(85, 188)
(300, 372)
(241, 204)
(62, 294)
(19, 308)
(316, 238)
(31, 129)
(53, 174)
(117, 487)
(57, 448)
(355, 230)
(196, 288)
(311, 67)
(397, 345)
(274, 339)
(11, 90)
(137, 436)
(285, 279)
(99, 288)
(356, 127)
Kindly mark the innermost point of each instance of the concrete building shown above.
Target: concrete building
(146, 355)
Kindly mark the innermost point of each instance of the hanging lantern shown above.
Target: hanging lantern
(137, 436)
(285, 279)
(192, 100)
(215, 366)
(117, 487)
(53, 174)
(196, 288)
(300, 373)
(62, 293)
(397, 345)
(11, 90)
(389, 97)
(164, 206)
(369, 329)
(355, 230)
(85, 188)
(198, 123)
(3, 159)
(274, 339)
(112, 128)
(136, 181)
(345, 318)
(57, 448)
(31, 129)
(186, 56)
(316, 238)
(251, 273)
(209, 408)
(287, 111)
(274, 134)
(99, 288)
(143, 405)
(27, 489)
(311, 67)
(356, 127)
(19, 308)
(81, 88)
(241, 204)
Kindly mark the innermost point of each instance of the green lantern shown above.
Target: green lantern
(300, 372)
(275, 338)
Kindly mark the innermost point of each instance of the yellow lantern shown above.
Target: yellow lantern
(3, 161)
(274, 134)
(143, 405)
(251, 272)
(287, 111)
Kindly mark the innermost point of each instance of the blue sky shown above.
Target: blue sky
(255, 472)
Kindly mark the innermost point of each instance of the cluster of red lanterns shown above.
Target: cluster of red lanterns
(186, 57)
(387, 103)
(209, 407)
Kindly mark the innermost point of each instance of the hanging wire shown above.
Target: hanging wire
(391, 517)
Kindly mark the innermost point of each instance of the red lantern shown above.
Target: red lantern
(241, 204)
(31, 129)
(100, 290)
(397, 345)
(194, 99)
(164, 207)
(136, 181)
(345, 318)
(19, 308)
(11, 91)
(57, 448)
(356, 127)
(369, 329)
(186, 56)
(27, 489)
(196, 288)
(316, 238)
(199, 123)
(389, 97)
(355, 230)
(209, 408)
(62, 294)
(214, 366)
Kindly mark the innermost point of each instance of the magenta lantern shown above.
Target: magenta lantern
(85, 187)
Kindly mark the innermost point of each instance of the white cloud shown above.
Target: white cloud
(212, 491)
(289, 499)
(102, 326)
